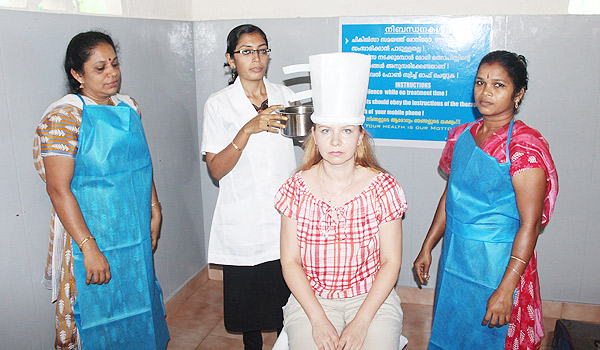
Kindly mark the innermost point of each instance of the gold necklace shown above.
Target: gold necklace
(329, 195)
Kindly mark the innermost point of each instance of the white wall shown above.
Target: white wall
(196, 10)
(206, 10)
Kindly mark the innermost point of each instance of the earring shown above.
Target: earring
(81, 84)
(516, 104)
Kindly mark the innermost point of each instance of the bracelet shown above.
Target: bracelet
(236, 147)
(508, 267)
(517, 259)
(85, 241)
(155, 204)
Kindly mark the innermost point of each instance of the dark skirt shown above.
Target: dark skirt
(253, 297)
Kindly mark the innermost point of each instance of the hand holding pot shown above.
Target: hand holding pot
(266, 121)
(298, 123)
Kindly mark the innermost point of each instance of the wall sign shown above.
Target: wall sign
(422, 74)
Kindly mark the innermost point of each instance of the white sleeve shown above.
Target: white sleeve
(214, 138)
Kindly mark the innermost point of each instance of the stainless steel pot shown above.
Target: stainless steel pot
(298, 123)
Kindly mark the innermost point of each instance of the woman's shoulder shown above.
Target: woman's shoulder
(69, 100)
(296, 177)
(68, 106)
(293, 181)
(384, 180)
(524, 134)
(290, 188)
(127, 99)
(222, 94)
(389, 193)
(521, 128)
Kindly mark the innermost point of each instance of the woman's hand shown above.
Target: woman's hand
(266, 121)
(353, 336)
(435, 233)
(499, 308)
(156, 217)
(422, 264)
(325, 335)
(222, 163)
(96, 266)
(155, 222)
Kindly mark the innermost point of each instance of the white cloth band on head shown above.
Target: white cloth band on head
(339, 87)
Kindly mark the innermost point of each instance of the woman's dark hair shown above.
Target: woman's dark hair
(234, 37)
(515, 65)
(79, 51)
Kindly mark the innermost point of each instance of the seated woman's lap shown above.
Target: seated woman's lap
(386, 327)
(383, 334)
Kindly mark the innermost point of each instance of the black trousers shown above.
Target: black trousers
(253, 297)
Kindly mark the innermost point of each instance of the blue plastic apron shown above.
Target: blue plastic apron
(481, 223)
(112, 182)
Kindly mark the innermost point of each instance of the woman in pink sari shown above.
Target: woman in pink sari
(501, 191)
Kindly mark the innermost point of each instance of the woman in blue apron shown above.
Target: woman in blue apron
(501, 191)
(92, 152)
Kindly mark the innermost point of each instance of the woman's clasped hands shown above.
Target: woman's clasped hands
(353, 336)
(326, 336)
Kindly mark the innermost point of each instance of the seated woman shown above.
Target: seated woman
(341, 234)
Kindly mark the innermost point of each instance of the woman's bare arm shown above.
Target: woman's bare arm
(59, 173)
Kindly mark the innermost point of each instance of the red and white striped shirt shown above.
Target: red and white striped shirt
(341, 258)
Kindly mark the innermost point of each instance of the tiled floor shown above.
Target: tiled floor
(198, 324)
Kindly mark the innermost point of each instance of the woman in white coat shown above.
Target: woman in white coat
(250, 160)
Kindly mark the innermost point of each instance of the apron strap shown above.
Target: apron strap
(510, 129)
(473, 123)
(81, 98)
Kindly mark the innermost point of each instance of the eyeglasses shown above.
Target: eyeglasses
(246, 52)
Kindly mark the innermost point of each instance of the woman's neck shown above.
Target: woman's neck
(341, 174)
(336, 183)
(491, 124)
(101, 101)
(255, 90)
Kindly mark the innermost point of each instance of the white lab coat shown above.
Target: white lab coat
(245, 227)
